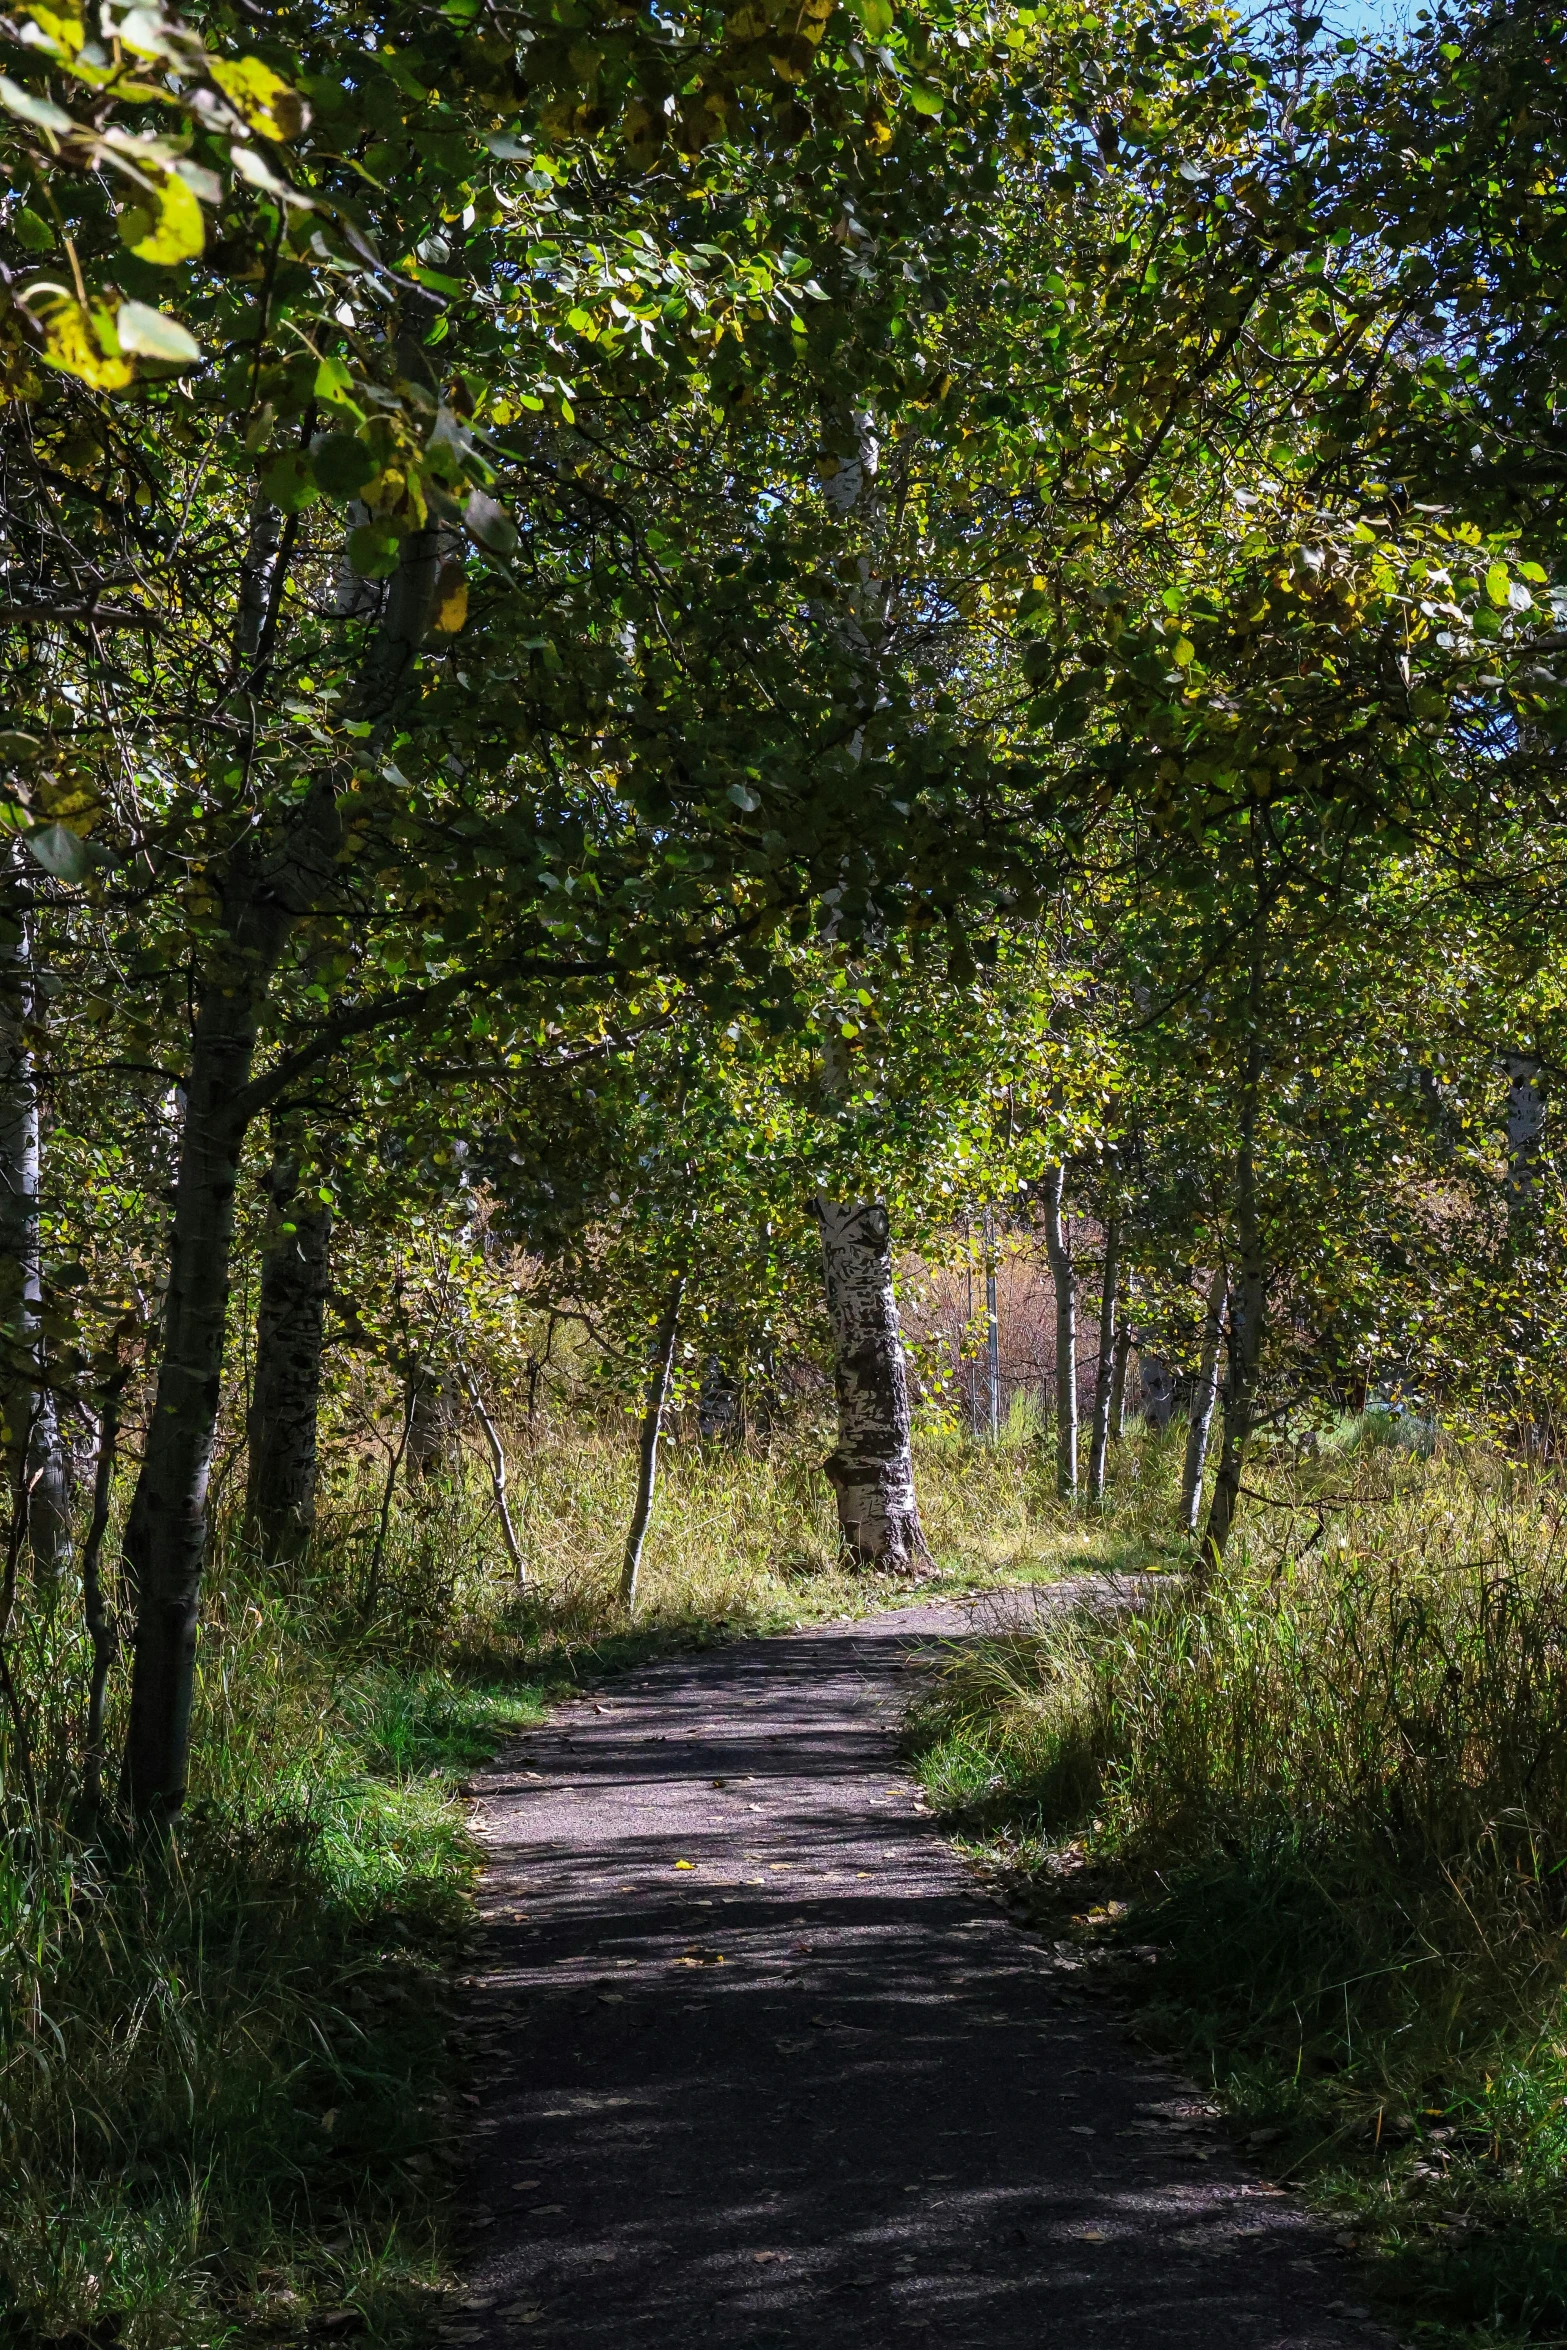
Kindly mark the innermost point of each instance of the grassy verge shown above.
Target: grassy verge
(227, 2094)
(1313, 1822)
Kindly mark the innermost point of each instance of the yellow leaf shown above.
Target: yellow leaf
(62, 30)
(165, 224)
(685, 1864)
(262, 99)
(451, 600)
(84, 344)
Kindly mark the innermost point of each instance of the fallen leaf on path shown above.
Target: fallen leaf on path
(685, 1864)
(769, 2256)
(545, 2210)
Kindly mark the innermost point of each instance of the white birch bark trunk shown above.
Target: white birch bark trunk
(34, 1450)
(1203, 1397)
(1064, 1275)
(872, 1470)
(1525, 1119)
(652, 1431)
(1104, 1370)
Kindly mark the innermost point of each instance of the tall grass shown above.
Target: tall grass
(1331, 1789)
(226, 2095)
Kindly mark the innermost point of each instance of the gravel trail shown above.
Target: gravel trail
(758, 2064)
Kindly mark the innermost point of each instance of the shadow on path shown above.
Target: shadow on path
(760, 2065)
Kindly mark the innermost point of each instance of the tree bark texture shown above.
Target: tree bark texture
(264, 891)
(37, 1473)
(872, 1469)
(432, 1425)
(1204, 1394)
(1104, 1369)
(1063, 1273)
(1248, 1308)
(280, 1490)
(652, 1429)
(1123, 1355)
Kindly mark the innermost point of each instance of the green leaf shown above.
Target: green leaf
(290, 483)
(1497, 584)
(372, 550)
(151, 334)
(164, 224)
(342, 464)
(335, 385)
(489, 524)
(63, 853)
(263, 101)
(40, 111)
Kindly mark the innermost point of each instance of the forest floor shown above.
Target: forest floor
(753, 2055)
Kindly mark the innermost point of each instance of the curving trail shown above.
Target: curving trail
(814, 2089)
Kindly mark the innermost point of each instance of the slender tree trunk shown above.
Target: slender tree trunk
(498, 1482)
(652, 1429)
(166, 1533)
(872, 1469)
(280, 1491)
(430, 1428)
(1248, 1307)
(34, 1450)
(270, 883)
(1123, 1356)
(98, 1616)
(1104, 1369)
(1064, 1275)
(1203, 1396)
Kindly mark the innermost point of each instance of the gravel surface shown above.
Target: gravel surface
(757, 2062)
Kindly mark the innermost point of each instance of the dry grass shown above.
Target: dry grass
(1332, 1790)
(225, 2089)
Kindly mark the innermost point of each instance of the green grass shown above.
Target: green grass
(1313, 1821)
(227, 2096)
(223, 2078)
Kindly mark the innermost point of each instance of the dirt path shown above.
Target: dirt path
(757, 2063)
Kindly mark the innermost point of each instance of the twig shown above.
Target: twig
(100, 615)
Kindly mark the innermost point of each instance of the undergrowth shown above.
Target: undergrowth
(1313, 1820)
(226, 2095)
